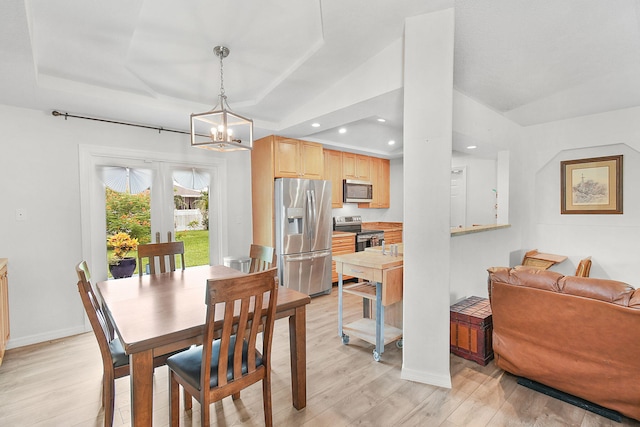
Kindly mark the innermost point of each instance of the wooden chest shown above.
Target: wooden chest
(471, 330)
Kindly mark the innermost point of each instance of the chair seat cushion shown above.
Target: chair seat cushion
(117, 353)
(187, 363)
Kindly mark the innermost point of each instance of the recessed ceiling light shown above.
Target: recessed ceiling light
(315, 125)
(472, 147)
(342, 130)
(381, 120)
(391, 142)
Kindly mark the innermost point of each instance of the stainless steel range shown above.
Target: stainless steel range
(364, 238)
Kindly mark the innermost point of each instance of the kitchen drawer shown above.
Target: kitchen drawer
(366, 273)
(393, 237)
(344, 244)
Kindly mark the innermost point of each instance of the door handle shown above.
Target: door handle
(314, 212)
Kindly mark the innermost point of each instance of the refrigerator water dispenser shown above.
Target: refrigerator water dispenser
(294, 220)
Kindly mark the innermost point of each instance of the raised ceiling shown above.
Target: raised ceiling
(292, 63)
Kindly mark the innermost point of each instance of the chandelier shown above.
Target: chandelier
(221, 129)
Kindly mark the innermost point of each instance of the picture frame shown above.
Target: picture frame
(591, 186)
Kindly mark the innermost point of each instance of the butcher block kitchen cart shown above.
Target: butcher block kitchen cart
(381, 281)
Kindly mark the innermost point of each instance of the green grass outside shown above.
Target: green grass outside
(196, 248)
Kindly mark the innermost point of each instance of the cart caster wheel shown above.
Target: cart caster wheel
(376, 356)
(345, 339)
(399, 343)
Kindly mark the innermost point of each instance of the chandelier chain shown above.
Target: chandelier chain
(222, 94)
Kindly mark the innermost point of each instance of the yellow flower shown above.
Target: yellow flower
(121, 243)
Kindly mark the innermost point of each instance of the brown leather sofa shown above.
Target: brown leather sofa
(578, 335)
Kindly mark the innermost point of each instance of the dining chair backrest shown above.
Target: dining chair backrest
(162, 252)
(231, 356)
(243, 299)
(114, 361)
(100, 322)
(262, 258)
(584, 267)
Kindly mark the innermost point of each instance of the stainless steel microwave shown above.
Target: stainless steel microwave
(357, 191)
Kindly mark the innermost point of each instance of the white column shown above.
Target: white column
(428, 110)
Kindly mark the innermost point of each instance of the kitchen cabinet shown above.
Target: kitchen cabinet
(4, 308)
(333, 173)
(297, 159)
(356, 166)
(392, 230)
(278, 157)
(380, 178)
(342, 243)
(392, 237)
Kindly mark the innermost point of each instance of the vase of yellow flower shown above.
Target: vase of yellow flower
(120, 265)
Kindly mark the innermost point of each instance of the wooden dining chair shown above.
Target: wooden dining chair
(262, 258)
(115, 362)
(162, 252)
(207, 376)
(584, 267)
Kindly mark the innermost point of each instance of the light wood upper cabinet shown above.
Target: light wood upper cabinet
(380, 177)
(356, 166)
(382, 198)
(298, 159)
(333, 173)
(278, 157)
(4, 308)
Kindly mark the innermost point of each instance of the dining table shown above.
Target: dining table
(162, 313)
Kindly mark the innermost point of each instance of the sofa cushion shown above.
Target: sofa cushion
(499, 274)
(634, 301)
(601, 289)
(535, 278)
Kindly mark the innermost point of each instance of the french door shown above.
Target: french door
(161, 171)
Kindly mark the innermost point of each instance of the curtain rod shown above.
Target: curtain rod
(159, 129)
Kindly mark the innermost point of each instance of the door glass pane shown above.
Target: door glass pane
(191, 214)
(127, 211)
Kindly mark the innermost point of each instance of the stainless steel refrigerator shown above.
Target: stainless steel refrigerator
(303, 234)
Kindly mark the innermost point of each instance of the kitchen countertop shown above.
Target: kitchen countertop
(370, 259)
(398, 226)
(477, 229)
(387, 248)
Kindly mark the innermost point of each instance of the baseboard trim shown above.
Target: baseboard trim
(40, 338)
(426, 378)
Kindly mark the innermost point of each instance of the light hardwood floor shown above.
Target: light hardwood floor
(58, 384)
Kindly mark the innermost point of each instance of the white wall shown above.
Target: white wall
(39, 168)
(472, 254)
(535, 154)
(611, 240)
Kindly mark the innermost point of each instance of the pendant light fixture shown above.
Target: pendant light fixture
(221, 129)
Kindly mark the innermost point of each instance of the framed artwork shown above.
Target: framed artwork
(591, 186)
